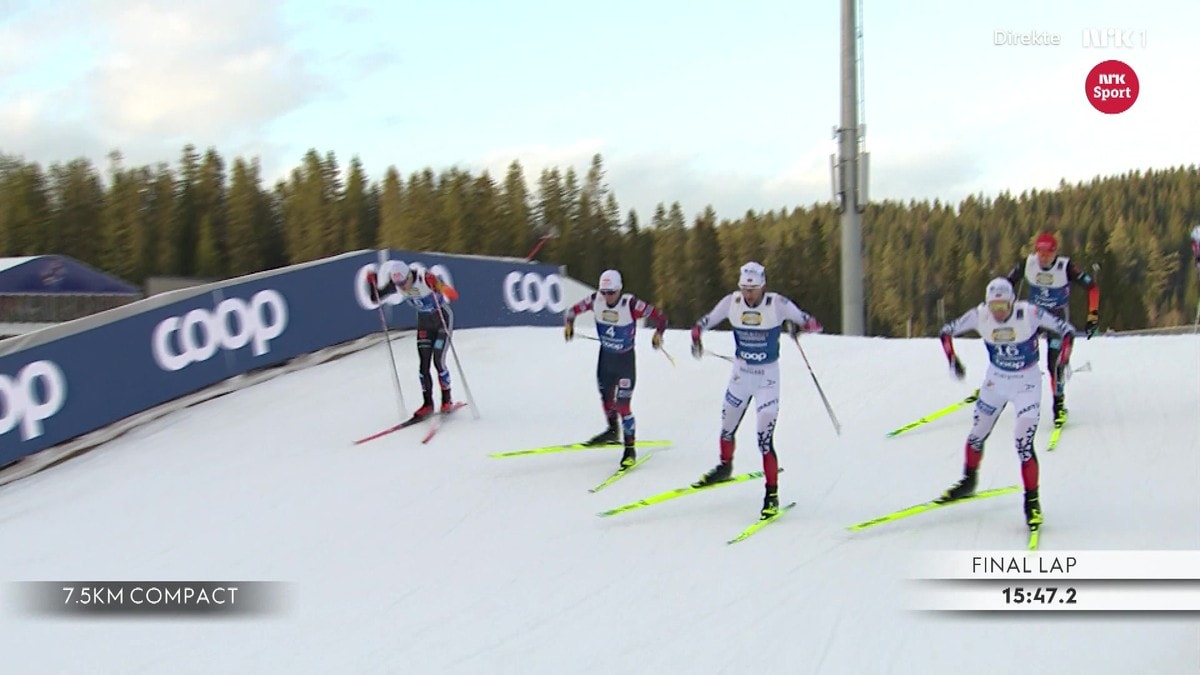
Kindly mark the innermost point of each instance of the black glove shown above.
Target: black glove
(960, 371)
(569, 329)
(791, 328)
(1093, 323)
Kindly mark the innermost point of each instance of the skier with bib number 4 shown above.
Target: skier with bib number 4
(757, 318)
(617, 314)
(431, 296)
(1010, 329)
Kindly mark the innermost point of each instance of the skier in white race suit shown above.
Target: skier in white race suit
(1009, 328)
(757, 318)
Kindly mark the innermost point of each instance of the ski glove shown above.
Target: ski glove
(1093, 323)
(569, 329)
(373, 286)
(697, 347)
(956, 367)
(656, 340)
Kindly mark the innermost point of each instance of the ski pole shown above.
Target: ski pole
(828, 408)
(454, 353)
(387, 341)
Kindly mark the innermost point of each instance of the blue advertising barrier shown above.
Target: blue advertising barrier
(56, 390)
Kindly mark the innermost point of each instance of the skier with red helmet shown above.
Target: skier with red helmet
(1049, 277)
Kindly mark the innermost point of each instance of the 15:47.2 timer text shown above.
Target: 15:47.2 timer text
(1039, 595)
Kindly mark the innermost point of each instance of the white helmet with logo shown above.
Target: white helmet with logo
(999, 289)
(610, 281)
(752, 275)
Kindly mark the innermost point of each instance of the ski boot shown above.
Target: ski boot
(630, 456)
(1033, 509)
(608, 436)
(1060, 411)
(771, 502)
(447, 404)
(965, 487)
(718, 474)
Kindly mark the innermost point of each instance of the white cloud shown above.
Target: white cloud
(162, 74)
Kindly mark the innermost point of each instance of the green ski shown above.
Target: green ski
(931, 505)
(679, 492)
(619, 474)
(569, 447)
(1034, 533)
(760, 524)
(1054, 435)
(933, 416)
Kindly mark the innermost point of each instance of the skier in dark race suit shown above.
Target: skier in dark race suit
(431, 296)
(617, 314)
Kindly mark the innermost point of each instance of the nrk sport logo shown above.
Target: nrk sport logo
(1112, 87)
(178, 342)
(34, 395)
(531, 292)
(364, 298)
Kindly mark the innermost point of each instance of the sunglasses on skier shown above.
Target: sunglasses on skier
(608, 293)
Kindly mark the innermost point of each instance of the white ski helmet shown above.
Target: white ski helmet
(610, 280)
(999, 289)
(1196, 233)
(396, 270)
(752, 275)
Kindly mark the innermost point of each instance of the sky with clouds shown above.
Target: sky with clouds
(705, 103)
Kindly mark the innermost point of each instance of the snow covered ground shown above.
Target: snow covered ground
(403, 557)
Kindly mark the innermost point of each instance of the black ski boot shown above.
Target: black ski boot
(1033, 509)
(718, 474)
(1060, 411)
(607, 437)
(630, 456)
(771, 502)
(965, 487)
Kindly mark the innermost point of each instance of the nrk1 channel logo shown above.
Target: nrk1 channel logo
(531, 292)
(362, 291)
(1112, 87)
(178, 342)
(34, 395)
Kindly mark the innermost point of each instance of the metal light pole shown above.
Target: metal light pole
(849, 178)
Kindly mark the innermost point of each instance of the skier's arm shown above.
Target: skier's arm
(1078, 276)
(641, 309)
(436, 283)
(968, 321)
(719, 313)
(584, 305)
(796, 319)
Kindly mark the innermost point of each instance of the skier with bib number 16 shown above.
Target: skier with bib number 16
(757, 318)
(617, 314)
(1010, 329)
